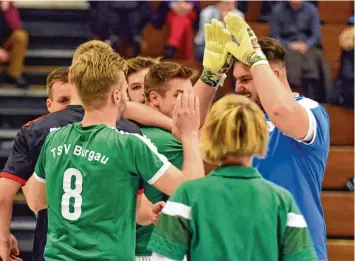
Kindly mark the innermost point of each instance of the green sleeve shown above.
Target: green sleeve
(166, 144)
(297, 244)
(144, 159)
(171, 236)
(40, 174)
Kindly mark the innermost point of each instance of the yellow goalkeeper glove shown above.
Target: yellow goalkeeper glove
(247, 48)
(216, 59)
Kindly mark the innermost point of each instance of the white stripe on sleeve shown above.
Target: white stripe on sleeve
(177, 209)
(159, 173)
(296, 220)
(151, 146)
(38, 178)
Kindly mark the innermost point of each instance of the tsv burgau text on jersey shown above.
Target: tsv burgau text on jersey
(77, 150)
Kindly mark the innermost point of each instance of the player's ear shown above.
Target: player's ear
(49, 104)
(115, 96)
(154, 98)
(277, 73)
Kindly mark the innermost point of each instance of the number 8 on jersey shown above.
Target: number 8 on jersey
(72, 193)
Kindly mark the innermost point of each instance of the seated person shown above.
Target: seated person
(114, 20)
(343, 87)
(217, 11)
(296, 24)
(180, 20)
(13, 45)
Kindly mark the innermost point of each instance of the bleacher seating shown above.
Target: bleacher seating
(341, 125)
(338, 170)
(58, 27)
(339, 213)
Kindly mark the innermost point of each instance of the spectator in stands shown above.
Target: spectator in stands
(267, 7)
(58, 89)
(217, 11)
(181, 19)
(13, 45)
(138, 67)
(114, 20)
(343, 88)
(296, 24)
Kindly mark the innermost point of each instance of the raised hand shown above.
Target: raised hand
(186, 114)
(216, 60)
(247, 48)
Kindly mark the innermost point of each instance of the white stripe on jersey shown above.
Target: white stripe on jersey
(177, 209)
(151, 146)
(38, 178)
(158, 257)
(160, 172)
(296, 220)
(147, 141)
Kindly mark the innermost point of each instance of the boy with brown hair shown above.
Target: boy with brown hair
(58, 89)
(163, 84)
(138, 67)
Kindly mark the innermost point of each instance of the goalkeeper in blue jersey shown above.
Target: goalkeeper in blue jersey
(298, 126)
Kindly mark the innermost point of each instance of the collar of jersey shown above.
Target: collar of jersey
(235, 171)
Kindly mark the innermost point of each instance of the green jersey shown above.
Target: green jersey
(170, 147)
(92, 176)
(234, 215)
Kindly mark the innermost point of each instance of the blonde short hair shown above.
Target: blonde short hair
(140, 63)
(91, 45)
(59, 74)
(160, 73)
(94, 73)
(235, 126)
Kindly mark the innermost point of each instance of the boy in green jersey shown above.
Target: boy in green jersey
(233, 214)
(162, 85)
(88, 173)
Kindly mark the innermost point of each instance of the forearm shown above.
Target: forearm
(148, 116)
(274, 96)
(279, 103)
(205, 95)
(8, 190)
(144, 211)
(312, 41)
(193, 167)
(5, 218)
(35, 198)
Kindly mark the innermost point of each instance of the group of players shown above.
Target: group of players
(98, 176)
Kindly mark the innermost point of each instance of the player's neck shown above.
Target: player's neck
(240, 161)
(103, 115)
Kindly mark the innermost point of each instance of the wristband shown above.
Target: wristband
(257, 58)
(211, 79)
